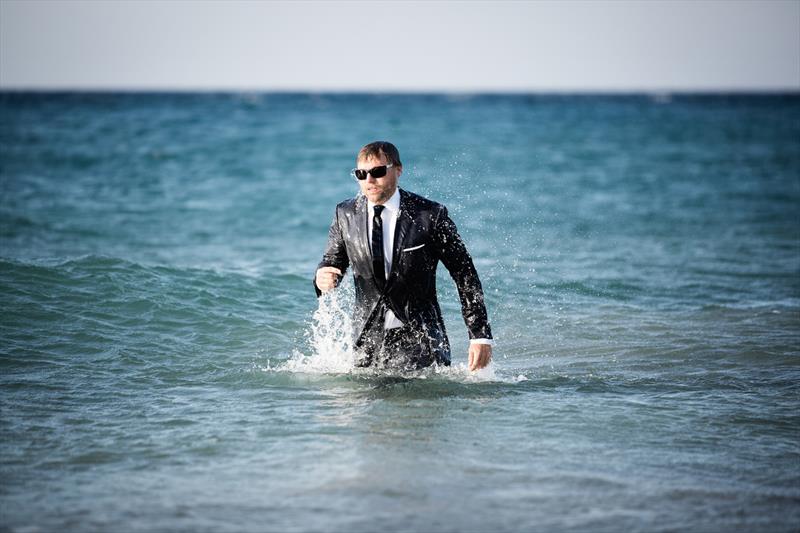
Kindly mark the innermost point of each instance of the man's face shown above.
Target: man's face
(378, 190)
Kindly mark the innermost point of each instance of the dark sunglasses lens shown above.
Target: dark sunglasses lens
(378, 172)
(361, 174)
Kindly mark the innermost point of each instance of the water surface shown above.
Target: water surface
(165, 365)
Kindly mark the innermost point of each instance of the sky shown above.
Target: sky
(537, 46)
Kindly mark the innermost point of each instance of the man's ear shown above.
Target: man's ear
(399, 170)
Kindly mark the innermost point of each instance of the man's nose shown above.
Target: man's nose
(371, 178)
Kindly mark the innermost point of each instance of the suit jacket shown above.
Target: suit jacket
(424, 235)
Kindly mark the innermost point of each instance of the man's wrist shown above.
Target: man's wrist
(490, 342)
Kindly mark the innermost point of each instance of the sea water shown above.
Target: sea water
(166, 366)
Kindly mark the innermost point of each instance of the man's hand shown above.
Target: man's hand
(327, 278)
(479, 355)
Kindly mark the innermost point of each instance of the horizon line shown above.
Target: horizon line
(406, 91)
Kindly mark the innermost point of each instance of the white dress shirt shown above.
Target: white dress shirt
(389, 218)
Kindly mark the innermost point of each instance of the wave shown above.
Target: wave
(613, 289)
(93, 304)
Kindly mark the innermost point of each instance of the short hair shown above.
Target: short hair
(378, 148)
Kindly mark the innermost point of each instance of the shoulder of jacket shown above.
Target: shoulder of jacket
(347, 205)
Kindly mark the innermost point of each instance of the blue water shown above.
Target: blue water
(165, 365)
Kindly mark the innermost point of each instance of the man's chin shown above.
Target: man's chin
(374, 197)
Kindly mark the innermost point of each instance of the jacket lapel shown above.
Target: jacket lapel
(362, 234)
(404, 222)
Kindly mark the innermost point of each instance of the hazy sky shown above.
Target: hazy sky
(379, 46)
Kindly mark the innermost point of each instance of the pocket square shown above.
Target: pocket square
(413, 248)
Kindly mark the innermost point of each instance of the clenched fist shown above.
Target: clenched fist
(327, 278)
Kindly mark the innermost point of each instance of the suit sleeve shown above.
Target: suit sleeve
(335, 254)
(453, 254)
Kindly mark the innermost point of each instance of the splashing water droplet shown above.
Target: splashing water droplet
(329, 335)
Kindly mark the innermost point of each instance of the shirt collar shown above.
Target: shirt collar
(392, 204)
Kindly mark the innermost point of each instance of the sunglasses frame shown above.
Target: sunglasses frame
(354, 172)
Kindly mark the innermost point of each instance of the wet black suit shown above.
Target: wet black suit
(424, 235)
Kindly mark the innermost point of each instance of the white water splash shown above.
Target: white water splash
(329, 335)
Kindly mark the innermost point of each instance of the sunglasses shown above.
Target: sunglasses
(375, 172)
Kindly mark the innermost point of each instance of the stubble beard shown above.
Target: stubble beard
(382, 196)
(385, 195)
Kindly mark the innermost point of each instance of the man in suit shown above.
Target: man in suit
(393, 240)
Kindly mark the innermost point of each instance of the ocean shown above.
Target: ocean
(166, 366)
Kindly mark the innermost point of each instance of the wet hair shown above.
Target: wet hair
(378, 148)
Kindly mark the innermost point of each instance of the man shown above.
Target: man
(394, 239)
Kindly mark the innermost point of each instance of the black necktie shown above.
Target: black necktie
(377, 247)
